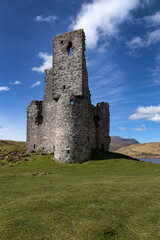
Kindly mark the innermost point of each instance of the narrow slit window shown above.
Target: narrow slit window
(102, 147)
(34, 146)
(64, 87)
(69, 48)
(68, 150)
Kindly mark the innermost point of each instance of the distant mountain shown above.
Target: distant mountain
(118, 142)
(142, 150)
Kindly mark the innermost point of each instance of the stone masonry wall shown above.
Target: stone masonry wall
(34, 125)
(66, 123)
(49, 115)
(70, 89)
(48, 85)
(100, 127)
(68, 51)
(72, 129)
(49, 126)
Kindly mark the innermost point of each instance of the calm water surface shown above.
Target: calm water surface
(153, 160)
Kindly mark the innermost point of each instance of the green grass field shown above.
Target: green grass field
(97, 200)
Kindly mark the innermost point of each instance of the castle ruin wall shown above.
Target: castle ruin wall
(66, 123)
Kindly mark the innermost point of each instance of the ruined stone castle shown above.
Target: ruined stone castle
(66, 123)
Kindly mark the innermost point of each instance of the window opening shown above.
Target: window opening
(69, 48)
(61, 41)
(96, 121)
(102, 147)
(56, 99)
(68, 150)
(71, 102)
(34, 146)
(64, 87)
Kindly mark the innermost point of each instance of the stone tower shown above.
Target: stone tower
(66, 122)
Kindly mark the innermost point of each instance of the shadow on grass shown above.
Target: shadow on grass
(109, 155)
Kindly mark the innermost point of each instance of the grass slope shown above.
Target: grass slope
(142, 150)
(97, 200)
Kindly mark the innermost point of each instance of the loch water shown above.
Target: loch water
(153, 160)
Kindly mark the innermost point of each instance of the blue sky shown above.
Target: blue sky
(122, 52)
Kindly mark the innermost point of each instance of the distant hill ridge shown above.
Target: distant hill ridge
(142, 150)
(119, 142)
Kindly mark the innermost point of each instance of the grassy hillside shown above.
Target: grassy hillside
(12, 152)
(143, 150)
(97, 200)
(119, 142)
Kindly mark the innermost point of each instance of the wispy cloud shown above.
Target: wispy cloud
(1, 127)
(122, 128)
(15, 82)
(155, 72)
(103, 18)
(140, 128)
(158, 57)
(151, 37)
(35, 84)
(153, 20)
(47, 62)
(49, 19)
(107, 84)
(136, 42)
(150, 113)
(4, 88)
(90, 63)
(102, 48)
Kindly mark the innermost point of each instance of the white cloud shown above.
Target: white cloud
(107, 84)
(103, 47)
(122, 128)
(140, 128)
(49, 19)
(158, 58)
(155, 72)
(47, 62)
(150, 113)
(1, 127)
(152, 37)
(136, 42)
(103, 18)
(16, 82)
(90, 63)
(35, 84)
(153, 20)
(4, 88)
